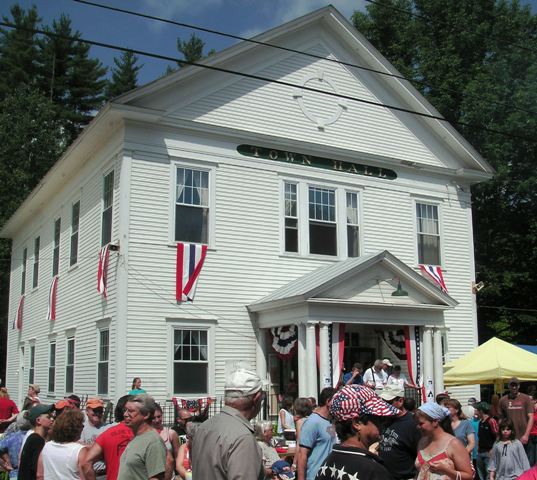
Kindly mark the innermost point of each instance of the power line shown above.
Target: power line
(287, 49)
(509, 308)
(264, 79)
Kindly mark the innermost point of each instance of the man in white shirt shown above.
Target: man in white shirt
(376, 377)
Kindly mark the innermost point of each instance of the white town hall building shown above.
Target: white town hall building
(314, 209)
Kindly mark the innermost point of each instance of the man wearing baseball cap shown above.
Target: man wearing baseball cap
(359, 414)
(224, 447)
(41, 417)
(399, 443)
(518, 407)
(93, 427)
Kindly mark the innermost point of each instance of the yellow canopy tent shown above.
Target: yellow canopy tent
(495, 362)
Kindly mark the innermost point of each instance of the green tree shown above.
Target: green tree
(72, 80)
(476, 62)
(191, 50)
(18, 50)
(124, 75)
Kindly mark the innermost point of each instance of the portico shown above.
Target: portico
(354, 295)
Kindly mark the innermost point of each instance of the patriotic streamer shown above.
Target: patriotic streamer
(435, 273)
(102, 271)
(285, 341)
(53, 291)
(17, 322)
(338, 350)
(190, 258)
(413, 349)
(395, 341)
(196, 406)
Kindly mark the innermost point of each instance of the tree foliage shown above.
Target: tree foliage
(124, 75)
(476, 62)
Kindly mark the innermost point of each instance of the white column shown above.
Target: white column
(437, 362)
(302, 365)
(311, 361)
(428, 364)
(262, 355)
(325, 375)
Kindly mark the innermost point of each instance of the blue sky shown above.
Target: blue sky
(239, 17)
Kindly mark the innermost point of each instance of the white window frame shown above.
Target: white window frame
(52, 362)
(285, 216)
(438, 205)
(341, 191)
(31, 364)
(110, 207)
(209, 167)
(69, 340)
(24, 269)
(186, 324)
(35, 271)
(100, 331)
(74, 234)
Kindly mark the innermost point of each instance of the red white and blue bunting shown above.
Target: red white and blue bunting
(285, 341)
(434, 273)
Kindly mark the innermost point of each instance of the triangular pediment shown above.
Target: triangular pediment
(258, 108)
(369, 280)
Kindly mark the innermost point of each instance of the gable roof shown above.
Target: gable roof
(321, 283)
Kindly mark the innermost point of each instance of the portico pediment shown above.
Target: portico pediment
(356, 287)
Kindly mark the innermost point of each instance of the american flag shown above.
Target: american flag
(17, 322)
(190, 258)
(102, 270)
(193, 405)
(53, 291)
(435, 272)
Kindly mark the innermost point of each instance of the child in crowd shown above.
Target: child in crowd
(508, 459)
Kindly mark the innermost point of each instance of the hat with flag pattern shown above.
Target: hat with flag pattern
(355, 400)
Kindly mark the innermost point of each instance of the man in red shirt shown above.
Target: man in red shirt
(109, 445)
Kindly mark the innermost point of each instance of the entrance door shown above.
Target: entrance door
(357, 351)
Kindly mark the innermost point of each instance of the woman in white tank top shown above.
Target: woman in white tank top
(60, 458)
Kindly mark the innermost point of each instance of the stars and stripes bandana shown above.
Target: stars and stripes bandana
(355, 400)
(102, 270)
(193, 405)
(435, 273)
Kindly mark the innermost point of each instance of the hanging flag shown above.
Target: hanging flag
(413, 357)
(102, 271)
(338, 350)
(17, 322)
(435, 272)
(285, 341)
(190, 258)
(51, 312)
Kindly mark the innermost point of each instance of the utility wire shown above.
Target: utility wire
(287, 49)
(264, 79)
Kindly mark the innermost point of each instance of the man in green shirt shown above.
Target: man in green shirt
(145, 456)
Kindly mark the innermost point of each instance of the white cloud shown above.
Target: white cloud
(174, 9)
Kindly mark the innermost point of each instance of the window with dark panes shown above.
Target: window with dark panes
(353, 227)
(291, 217)
(24, 262)
(56, 251)
(428, 234)
(102, 364)
(31, 369)
(322, 221)
(75, 222)
(70, 366)
(52, 367)
(192, 206)
(190, 361)
(35, 280)
(108, 204)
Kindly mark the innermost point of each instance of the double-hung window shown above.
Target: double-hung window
(191, 361)
(24, 262)
(35, 280)
(353, 225)
(192, 205)
(70, 365)
(428, 231)
(56, 252)
(75, 222)
(102, 362)
(291, 217)
(31, 369)
(52, 367)
(108, 204)
(322, 220)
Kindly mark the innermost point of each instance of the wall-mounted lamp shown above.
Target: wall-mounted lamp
(399, 292)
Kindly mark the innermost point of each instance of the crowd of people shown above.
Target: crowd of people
(364, 428)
